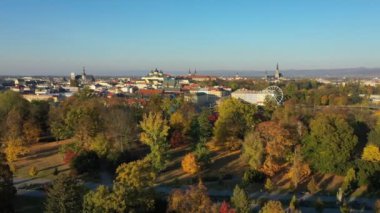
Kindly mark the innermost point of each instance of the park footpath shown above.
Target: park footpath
(34, 187)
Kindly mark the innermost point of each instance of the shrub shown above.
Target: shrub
(33, 171)
(85, 162)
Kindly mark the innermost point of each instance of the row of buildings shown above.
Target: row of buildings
(156, 82)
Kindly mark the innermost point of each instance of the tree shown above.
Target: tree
(130, 192)
(14, 148)
(240, 200)
(31, 132)
(7, 190)
(299, 170)
(122, 126)
(193, 200)
(225, 208)
(272, 206)
(155, 132)
(65, 195)
(136, 174)
(293, 206)
(235, 118)
(374, 135)
(253, 150)
(203, 154)
(371, 153)
(190, 164)
(269, 185)
(350, 182)
(276, 142)
(330, 145)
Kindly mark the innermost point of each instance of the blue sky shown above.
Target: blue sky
(111, 36)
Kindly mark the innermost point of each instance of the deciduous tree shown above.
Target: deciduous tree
(155, 132)
(329, 146)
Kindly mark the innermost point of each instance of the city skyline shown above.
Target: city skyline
(49, 38)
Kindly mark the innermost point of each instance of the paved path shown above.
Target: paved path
(106, 179)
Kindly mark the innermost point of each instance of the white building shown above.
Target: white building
(250, 96)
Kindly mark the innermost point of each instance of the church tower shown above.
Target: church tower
(277, 73)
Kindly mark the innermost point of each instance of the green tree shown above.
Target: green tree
(253, 150)
(350, 182)
(7, 190)
(293, 205)
(65, 195)
(131, 191)
(240, 200)
(329, 146)
(155, 132)
(234, 120)
(374, 135)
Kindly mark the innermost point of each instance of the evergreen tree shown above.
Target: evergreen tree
(240, 200)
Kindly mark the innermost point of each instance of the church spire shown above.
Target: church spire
(84, 70)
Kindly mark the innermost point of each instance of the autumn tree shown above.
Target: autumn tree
(131, 190)
(65, 195)
(7, 190)
(14, 147)
(268, 147)
(329, 146)
(190, 164)
(234, 120)
(225, 208)
(272, 206)
(371, 153)
(240, 200)
(193, 200)
(155, 132)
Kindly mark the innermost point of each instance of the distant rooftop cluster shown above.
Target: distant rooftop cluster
(195, 87)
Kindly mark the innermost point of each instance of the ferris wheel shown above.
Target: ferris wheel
(275, 93)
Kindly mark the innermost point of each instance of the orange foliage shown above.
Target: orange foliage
(190, 164)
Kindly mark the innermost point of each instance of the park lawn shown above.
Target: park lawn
(223, 162)
(45, 157)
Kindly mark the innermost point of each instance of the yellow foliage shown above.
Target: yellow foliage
(13, 149)
(190, 164)
(371, 153)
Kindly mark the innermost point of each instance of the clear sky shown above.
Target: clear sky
(111, 36)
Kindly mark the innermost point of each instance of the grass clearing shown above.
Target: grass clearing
(45, 157)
